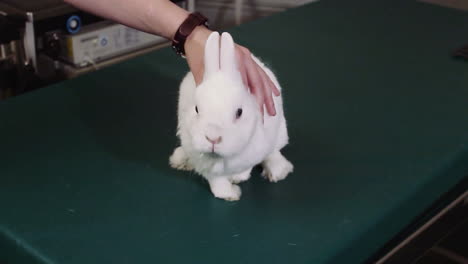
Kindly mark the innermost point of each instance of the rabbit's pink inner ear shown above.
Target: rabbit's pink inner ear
(228, 62)
(211, 55)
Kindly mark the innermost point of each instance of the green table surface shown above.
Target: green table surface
(378, 122)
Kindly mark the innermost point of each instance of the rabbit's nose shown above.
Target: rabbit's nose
(214, 140)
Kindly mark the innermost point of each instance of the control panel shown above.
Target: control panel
(102, 41)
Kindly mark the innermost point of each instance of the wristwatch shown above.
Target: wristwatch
(190, 23)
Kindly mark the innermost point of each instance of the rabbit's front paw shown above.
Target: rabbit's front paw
(222, 188)
(179, 160)
(241, 177)
(276, 167)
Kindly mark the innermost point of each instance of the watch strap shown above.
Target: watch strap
(185, 29)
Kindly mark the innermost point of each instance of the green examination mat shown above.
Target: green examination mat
(378, 121)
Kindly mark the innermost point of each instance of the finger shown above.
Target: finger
(275, 89)
(243, 54)
(269, 103)
(255, 81)
(268, 99)
(260, 98)
(242, 70)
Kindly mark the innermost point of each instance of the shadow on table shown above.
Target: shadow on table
(133, 115)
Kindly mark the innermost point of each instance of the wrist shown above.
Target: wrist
(195, 50)
(186, 30)
(197, 38)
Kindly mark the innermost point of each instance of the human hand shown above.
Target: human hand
(253, 76)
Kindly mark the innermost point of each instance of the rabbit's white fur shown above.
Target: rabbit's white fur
(216, 143)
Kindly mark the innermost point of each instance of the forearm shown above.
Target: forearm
(160, 17)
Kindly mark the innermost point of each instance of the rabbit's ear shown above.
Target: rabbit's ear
(211, 55)
(228, 60)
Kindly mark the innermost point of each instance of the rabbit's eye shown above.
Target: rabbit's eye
(239, 113)
(196, 109)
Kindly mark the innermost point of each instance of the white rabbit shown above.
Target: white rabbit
(220, 125)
